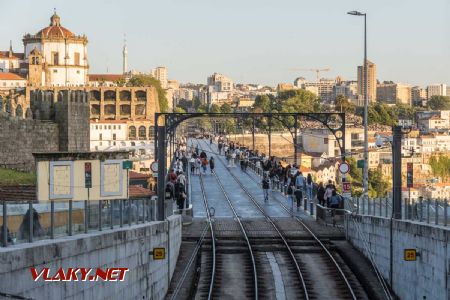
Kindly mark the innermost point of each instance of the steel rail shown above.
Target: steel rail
(269, 219)
(349, 287)
(244, 232)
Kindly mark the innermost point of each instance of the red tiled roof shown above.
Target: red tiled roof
(55, 32)
(136, 175)
(5, 54)
(10, 76)
(105, 77)
(137, 191)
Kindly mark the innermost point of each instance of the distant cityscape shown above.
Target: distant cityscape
(55, 64)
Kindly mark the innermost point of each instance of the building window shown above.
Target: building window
(325, 141)
(142, 133)
(55, 58)
(100, 137)
(55, 71)
(120, 127)
(77, 58)
(109, 126)
(114, 126)
(114, 136)
(132, 132)
(96, 127)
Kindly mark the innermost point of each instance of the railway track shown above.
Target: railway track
(229, 252)
(328, 263)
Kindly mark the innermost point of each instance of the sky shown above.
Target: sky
(251, 41)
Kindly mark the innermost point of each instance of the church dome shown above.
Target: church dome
(55, 30)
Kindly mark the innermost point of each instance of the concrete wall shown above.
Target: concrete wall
(425, 278)
(127, 247)
(19, 138)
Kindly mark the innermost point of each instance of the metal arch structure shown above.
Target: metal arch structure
(166, 124)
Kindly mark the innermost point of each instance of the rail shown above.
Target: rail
(243, 231)
(269, 219)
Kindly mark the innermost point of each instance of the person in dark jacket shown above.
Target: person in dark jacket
(321, 194)
(211, 164)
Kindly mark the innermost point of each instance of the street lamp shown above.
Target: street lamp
(366, 108)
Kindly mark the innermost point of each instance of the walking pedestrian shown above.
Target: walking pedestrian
(266, 187)
(204, 165)
(290, 193)
(321, 194)
(192, 164)
(329, 189)
(309, 187)
(211, 164)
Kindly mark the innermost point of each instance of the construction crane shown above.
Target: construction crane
(312, 70)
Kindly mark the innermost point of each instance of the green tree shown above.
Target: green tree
(439, 103)
(178, 109)
(196, 102)
(378, 185)
(226, 108)
(262, 104)
(214, 108)
(147, 80)
(342, 104)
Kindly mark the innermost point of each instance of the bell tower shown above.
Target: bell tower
(35, 68)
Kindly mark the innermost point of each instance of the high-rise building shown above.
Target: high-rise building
(220, 82)
(393, 93)
(418, 95)
(324, 88)
(160, 73)
(436, 90)
(371, 81)
(348, 89)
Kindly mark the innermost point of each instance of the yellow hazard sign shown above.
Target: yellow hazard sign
(410, 254)
(159, 253)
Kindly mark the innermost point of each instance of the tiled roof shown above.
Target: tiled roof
(136, 175)
(55, 32)
(105, 77)
(5, 54)
(10, 76)
(137, 191)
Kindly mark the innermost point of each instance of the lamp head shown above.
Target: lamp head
(355, 13)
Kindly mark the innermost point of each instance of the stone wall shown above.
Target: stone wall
(127, 247)
(425, 278)
(19, 138)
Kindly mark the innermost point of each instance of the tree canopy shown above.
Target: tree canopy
(147, 80)
(439, 103)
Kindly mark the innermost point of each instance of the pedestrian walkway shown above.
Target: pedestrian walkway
(238, 196)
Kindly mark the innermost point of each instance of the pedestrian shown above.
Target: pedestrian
(321, 194)
(329, 191)
(198, 166)
(233, 158)
(290, 193)
(172, 176)
(309, 187)
(298, 193)
(266, 187)
(220, 147)
(300, 182)
(204, 164)
(211, 164)
(192, 164)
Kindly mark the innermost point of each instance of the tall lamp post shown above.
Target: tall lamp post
(366, 108)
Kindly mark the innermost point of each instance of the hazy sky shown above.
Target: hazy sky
(252, 41)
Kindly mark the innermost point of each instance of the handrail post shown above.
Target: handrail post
(30, 209)
(111, 213)
(436, 211)
(445, 212)
(5, 225)
(52, 219)
(86, 223)
(70, 217)
(100, 215)
(121, 212)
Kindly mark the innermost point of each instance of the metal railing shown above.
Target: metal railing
(430, 211)
(25, 222)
